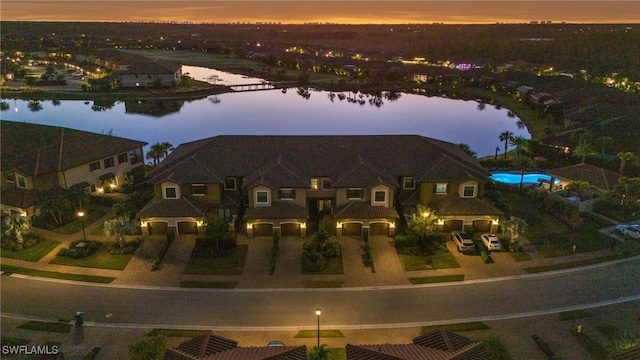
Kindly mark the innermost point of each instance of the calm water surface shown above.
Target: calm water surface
(273, 112)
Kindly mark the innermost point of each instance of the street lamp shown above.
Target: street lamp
(318, 312)
(81, 215)
(424, 229)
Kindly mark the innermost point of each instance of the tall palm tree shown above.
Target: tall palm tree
(521, 143)
(583, 150)
(523, 163)
(580, 187)
(506, 136)
(626, 157)
(604, 142)
(154, 154)
(166, 148)
(466, 148)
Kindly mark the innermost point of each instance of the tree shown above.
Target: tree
(55, 204)
(580, 187)
(155, 154)
(466, 148)
(506, 136)
(149, 348)
(77, 198)
(626, 157)
(521, 143)
(34, 105)
(319, 353)
(583, 150)
(603, 142)
(523, 163)
(30, 81)
(116, 228)
(626, 194)
(16, 226)
(215, 228)
(422, 221)
(166, 148)
(513, 227)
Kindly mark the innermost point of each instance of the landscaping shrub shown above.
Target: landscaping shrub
(73, 251)
(331, 249)
(403, 241)
(543, 346)
(370, 260)
(155, 264)
(313, 261)
(29, 240)
(128, 247)
(274, 252)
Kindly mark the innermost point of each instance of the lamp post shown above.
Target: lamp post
(424, 229)
(81, 215)
(318, 312)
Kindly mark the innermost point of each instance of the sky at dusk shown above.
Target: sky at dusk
(345, 12)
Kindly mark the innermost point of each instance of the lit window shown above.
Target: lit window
(409, 183)
(230, 183)
(314, 184)
(198, 190)
(170, 193)
(286, 194)
(122, 158)
(108, 162)
(469, 191)
(441, 188)
(379, 196)
(262, 197)
(355, 193)
(94, 166)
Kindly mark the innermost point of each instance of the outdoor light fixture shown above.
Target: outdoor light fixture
(318, 312)
(81, 216)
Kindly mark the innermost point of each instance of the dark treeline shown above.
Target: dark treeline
(598, 49)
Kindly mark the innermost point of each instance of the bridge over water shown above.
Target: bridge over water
(265, 85)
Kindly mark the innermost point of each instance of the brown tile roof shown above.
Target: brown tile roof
(276, 174)
(53, 148)
(173, 208)
(277, 210)
(368, 352)
(120, 57)
(444, 169)
(190, 170)
(364, 210)
(200, 347)
(152, 67)
(365, 174)
(20, 198)
(596, 176)
(329, 156)
(455, 205)
(263, 353)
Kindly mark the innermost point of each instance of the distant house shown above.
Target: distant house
(524, 91)
(437, 345)
(602, 180)
(41, 158)
(149, 73)
(209, 347)
(285, 184)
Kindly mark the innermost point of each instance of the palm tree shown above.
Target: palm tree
(506, 136)
(17, 226)
(116, 228)
(166, 148)
(584, 150)
(523, 163)
(604, 142)
(521, 143)
(626, 157)
(468, 150)
(580, 187)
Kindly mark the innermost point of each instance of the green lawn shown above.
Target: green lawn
(334, 266)
(322, 284)
(208, 284)
(323, 334)
(176, 332)
(428, 262)
(56, 275)
(436, 279)
(497, 348)
(231, 264)
(101, 259)
(470, 326)
(33, 253)
(568, 265)
(520, 256)
(46, 326)
(75, 226)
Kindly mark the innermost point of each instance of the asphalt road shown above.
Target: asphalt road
(341, 308)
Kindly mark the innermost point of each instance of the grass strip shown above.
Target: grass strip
(13, 341)
(469, 326)
(46, 326)
(91, 216)
(208, 284)
(33, 253)
(312, 334)
(574, 314)
(176, 332)
(520, 256)
(428, 262)
(231, 264)
(436, 279)
(497, 348)
(101, 259)
(334, 267)
(56, 275)
(594, 349)
(322, 284)
(585, 262)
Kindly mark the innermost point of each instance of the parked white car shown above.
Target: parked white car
(491, 242)
(463, 241)
(631, 230)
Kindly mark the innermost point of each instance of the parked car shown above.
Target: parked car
(491, 242)
(463, 241)
(631, 230)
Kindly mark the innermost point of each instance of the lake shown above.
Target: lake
(274, 112)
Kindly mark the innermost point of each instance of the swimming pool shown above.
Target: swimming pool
(513, 178)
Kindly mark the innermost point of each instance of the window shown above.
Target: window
(355, 193)
(225, 214)
(9, 176)
(469, 191)
(314, 183)
(123, 158)
(170, 193)
(135, 156)
(441, 188)
(94, 166)
(409, 183)
(22, 182)
(108, 162)
(380, 196)
(230, 183)
(326, 184)
(198, 190)
(287, 194)
(262, 197)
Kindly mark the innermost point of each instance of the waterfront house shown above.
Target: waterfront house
(41, 158)
(150, 73)
(286, 184)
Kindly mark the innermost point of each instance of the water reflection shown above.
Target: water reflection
(155, 108)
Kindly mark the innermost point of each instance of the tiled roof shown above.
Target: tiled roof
(444, 169)
(263, 353)
(454, 205)
(53, 148)
(200, 347)
(365, 174)
(389, 156)
(276, 174)
(173, 208)
(20, 198)
(596, 176)
(120, 57)
(151, 67)
(190, 170)
(367, 352)
(364, 210)
(277, 210)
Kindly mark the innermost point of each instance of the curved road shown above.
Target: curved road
(112, 305)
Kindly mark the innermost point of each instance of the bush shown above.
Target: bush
(73, 251)
(313, 261)
(402, 241)
(331, 249)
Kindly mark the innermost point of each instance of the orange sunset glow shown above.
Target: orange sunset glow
(346, 12)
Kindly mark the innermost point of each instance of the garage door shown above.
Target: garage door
(187, 227)
(290, 229)
(352, 229)
(157, 228)
(452, 225)
(379, 229)
(482, 225)
(262, 230)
